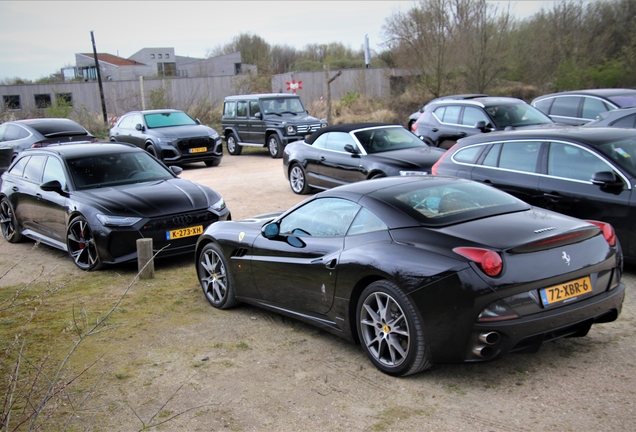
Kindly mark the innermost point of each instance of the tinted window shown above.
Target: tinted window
(451, 115)
(254, 108)
(241, 109)
(387, 139)
(544, 105)
(519, 156)
(53, 171)
(127, 122)
(168, 119)
(572, 162)
(624, 101)
(18, 168)
(327, 217)
(33, 169)
(366, 222)
(492, 158)
(472, 115)
(338, 140)
(468, 154)
(53, 128)
(567, 106)
(623, 153)
(11, 133)
(229, 109)
(593, 107)
(626, 122)
(437, 203)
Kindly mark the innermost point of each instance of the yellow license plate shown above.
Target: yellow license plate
(184, 232)
(567, 291)
(198, 150)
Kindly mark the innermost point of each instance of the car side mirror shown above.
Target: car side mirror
(481, 125)
(606, 179)
(270, 230)
(52, 186)
(198, 121)
(177, 170)
(258, 115)
(351, 149)
(139, 127)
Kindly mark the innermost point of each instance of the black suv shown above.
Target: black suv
(444, 122)
(269, 120)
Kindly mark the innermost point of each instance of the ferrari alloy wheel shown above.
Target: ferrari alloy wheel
(81, 244)
(297, 180)
(8, 222)
(215, 278)
(274, 146)
(390, 331)
(232, 146)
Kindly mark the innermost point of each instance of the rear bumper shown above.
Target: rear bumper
(527, 334)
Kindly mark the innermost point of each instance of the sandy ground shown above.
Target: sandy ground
(247, 369)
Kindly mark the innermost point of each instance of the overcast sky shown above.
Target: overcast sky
(39, 38)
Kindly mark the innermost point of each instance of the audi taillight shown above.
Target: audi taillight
(607, 229)
(488, 261)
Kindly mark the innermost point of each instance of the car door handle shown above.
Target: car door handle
(322, 158)
(553, 196)
(15, 188)
(462, 134)
(434, 129)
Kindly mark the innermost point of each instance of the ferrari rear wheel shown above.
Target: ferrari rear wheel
(81, 244)
(8, 222)
(390, 331)
(215, 278)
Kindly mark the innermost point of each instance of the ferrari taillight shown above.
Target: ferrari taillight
(607, 229)
(489, 261)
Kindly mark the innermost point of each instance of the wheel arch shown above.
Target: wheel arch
(376, 171)
(353, 302)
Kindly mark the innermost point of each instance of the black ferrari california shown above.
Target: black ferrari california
(347, 153)
(95, 200)
(420, 270)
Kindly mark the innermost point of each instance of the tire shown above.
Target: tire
(390, 330)
(214, 277)
(213, 162)
(274, 146)
(232, 145)
(151, 149)
(8, 222)
(298, 180)
(81, 244)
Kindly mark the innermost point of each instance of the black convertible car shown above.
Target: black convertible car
(95, 200)
(420, 270)
(348, 153)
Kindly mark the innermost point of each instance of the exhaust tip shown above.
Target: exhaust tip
(484, 352)
(489, 338)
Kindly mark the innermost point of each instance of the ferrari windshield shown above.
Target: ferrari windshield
(378, 140)
(168, 119)
(116, 169)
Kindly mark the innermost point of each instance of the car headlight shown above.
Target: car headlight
(218, 206)
(412, 173)
(323, 125)
(117, 221)
(291, 130)
(165, 141)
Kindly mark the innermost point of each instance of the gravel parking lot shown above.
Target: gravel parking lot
(284, 375)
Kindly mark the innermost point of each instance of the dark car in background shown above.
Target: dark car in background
(444, 122)
(420, 270)
(94, 202)
(270, 120)
(582, 106)
(19, 135)
(413, 117)
(348, 153)
(589, 173)
(172, 136)
(622, 117)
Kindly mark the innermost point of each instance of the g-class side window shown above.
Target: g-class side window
(241, 109)
(229, 109)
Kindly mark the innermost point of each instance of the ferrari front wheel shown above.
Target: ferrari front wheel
(215, 278)
(390, 330)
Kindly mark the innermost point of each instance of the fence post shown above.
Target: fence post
(144, 256)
